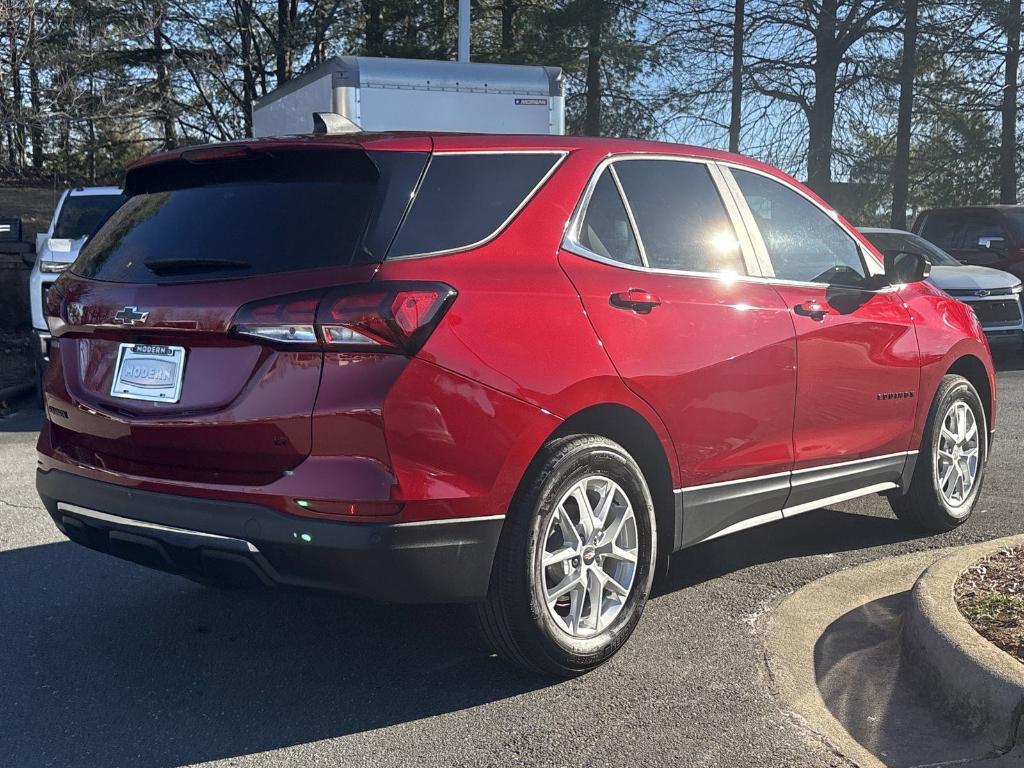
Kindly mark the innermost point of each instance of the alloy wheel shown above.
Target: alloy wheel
(589, 556)
(958, 454)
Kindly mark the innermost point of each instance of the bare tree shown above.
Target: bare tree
(1008, 112)
(810, 54)
(736, 101)
(908, 73)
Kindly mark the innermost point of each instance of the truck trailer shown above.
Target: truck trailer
(379, 94)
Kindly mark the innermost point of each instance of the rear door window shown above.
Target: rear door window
(606, 229)
(466, 198)
(260, 213)
(682, 221)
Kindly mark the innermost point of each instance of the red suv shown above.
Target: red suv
(518, 371)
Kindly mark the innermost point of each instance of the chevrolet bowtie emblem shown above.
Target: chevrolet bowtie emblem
(130, 316)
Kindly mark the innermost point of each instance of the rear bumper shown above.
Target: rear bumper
(437, 562)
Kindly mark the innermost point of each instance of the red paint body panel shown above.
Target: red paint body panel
(727, 404)
(864, 348)
(947, 331)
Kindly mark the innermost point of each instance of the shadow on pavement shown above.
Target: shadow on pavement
(825, 531)
(26, 416)
(104, 664)
(868, 689)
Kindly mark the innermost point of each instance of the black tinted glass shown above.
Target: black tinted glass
(804, 243)
(894, 241)
(466, 197)
(682, 221)
(81, 214)
(606, 229)
(253, 215)
(946, 230)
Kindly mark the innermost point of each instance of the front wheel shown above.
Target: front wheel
(951, 462)
(575, 561)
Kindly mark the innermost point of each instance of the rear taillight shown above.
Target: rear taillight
(382, 317)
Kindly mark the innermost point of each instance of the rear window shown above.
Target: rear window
(466, 198)
(959, 229)
(259, 213)
(80, 215)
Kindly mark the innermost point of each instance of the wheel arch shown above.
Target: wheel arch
(640, 439)
(971, 368)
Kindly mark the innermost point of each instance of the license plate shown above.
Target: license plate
(149, 372)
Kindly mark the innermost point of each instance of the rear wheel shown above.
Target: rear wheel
(950, 466)
(576, 559)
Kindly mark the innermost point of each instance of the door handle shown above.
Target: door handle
(813, 309)
(638, 300)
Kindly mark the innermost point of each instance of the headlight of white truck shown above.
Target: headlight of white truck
(53, 266)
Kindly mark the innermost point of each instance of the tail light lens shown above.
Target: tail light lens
(383, 317)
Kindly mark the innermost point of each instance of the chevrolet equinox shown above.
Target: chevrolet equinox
(515, 371)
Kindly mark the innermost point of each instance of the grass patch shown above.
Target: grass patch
(1006, 610)
(990, 595)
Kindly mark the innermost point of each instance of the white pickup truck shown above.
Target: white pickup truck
(79, 213)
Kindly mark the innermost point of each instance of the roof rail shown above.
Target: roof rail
(332, 122)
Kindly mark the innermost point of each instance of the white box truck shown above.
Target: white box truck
(417, 95)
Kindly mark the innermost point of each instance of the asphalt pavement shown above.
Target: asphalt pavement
(103, 663)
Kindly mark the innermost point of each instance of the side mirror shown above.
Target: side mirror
(902, 267)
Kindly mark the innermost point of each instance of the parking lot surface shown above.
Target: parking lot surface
(103, 663)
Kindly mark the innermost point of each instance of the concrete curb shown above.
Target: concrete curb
(975, 682)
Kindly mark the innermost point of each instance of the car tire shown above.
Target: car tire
(524, 618)
(941, 497)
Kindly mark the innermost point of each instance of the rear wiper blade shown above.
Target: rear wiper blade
(173, 265)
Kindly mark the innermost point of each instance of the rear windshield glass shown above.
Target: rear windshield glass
(466, 198)
(81, 214)
(255, 214)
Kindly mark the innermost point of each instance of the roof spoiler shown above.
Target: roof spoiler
(332, 122)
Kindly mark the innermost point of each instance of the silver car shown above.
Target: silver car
(994, 295)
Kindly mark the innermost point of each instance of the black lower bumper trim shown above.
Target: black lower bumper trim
(250, 544)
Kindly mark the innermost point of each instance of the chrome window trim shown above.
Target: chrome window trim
(561, 154)
(874, 267)
(571, 243)
(629, 214)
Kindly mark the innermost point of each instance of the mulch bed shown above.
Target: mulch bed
(990, 594)
(15, 358)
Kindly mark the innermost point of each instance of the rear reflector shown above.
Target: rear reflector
(350, 508)
(382, 317)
